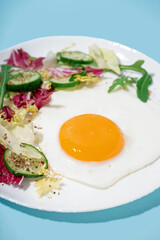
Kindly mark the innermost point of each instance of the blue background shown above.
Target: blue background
(133, 23)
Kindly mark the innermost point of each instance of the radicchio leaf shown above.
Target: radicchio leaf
(5, 175)
(95, 71)
(40, 98)
(63, 71)
(21, 59)
(6, 113)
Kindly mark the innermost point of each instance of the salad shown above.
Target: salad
(27, 84)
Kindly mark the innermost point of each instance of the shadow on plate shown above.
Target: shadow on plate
(131, 209)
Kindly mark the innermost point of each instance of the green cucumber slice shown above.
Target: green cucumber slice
(64, 82)
(27, 80)
(22, 166)
(74, 57)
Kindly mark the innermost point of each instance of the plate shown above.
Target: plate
(76, 197)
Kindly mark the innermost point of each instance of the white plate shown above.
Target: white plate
(76, 197)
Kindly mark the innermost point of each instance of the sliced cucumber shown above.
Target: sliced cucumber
(74, 57)
(64, 82)
(22, 166)
(26, 81)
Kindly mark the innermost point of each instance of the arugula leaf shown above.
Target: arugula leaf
(123, 82)
(4, 79)
(4, 75)
(142, 84)
(76, 65)
(137, 66)
(142, 87)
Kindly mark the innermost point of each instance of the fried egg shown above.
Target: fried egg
(97, 138)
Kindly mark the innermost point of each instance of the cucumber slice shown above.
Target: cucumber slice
(20, 165)
(27, 80)
(64, 82)
(74, 57)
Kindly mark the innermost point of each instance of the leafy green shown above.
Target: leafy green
(15, 145)
(32, 58)
(83, 73)
(123, 82)
(4, 75)
(137, 66)
(142, 84)
(142, 87)
(75, 66)
(4, 79)
(105, 58)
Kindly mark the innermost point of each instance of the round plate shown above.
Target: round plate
(76, 197)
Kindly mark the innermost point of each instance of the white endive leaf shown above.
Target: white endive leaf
(11, 142)
(111, 60)
(50, 60)
(96, 53)
(105, 58)
(24, 133)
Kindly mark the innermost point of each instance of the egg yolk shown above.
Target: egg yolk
(91, 137)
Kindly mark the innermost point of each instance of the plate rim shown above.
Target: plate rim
(80, 36)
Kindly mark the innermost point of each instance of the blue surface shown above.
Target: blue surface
(133, 23)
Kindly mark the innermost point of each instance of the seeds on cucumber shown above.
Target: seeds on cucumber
(22, 166)
(26, 81)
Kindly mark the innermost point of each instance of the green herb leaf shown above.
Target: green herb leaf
(137, 66)
(143, 83)
(75, 66)
(32, 58)
(142, 87)
(72, 78)
(123, 82)
(4, 79)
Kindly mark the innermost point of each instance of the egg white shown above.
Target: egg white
(138, 121)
